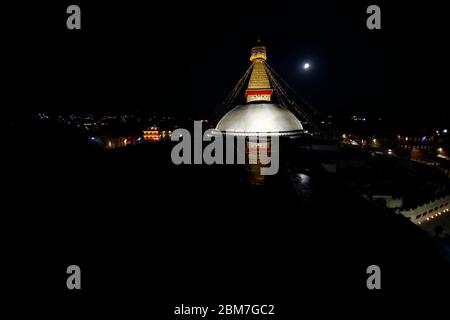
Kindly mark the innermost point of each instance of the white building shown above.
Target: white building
(428, 211)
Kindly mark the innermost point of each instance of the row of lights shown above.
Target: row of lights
(436, 215)
(345, 136)
(406, 138)
(374, 140)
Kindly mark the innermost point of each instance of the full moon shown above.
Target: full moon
(306, 66)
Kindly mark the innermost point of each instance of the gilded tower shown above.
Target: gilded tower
(259, 88)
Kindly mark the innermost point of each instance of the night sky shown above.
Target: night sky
(148, 233)
(185, 58)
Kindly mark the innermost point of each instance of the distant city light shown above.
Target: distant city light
(444, 131)
(356, 118)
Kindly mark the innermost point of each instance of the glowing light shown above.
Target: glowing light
(306, 66)
(440, 149)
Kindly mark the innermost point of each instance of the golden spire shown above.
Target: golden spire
(259, 88)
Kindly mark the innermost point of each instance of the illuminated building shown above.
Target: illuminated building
(431, 210)
(259, 117)
(156, 134)
(416, 147)
(117, 142)
(152, 134)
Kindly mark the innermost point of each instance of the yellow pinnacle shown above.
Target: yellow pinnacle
(259, 88)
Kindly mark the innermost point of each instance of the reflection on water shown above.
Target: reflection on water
(302, 185)
(298, 181)
(253, 175)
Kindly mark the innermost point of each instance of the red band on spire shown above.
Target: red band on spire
(258, 92)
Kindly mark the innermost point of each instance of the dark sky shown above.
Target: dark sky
(184, 58)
